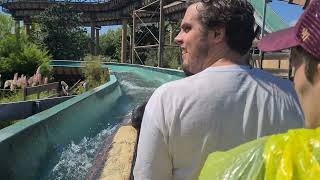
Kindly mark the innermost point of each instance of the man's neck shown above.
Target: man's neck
(241, 60)
(224, 57)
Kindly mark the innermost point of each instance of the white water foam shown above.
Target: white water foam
(132, 86)
(76, 159)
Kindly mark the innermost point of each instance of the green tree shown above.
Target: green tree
(94, 73)
(61, 32)
(22, 57)
(6, 25)
(172, 55)
(110, 45)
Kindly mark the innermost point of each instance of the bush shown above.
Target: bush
(59, 29)
(171, 58)
(93, 72)
(110, 45)
(22, 57)
(6, 25)
(46, 69)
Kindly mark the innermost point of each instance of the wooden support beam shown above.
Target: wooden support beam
(27, 23)
(147, 46)
(93, 35)
(17, 29)
(97, 45)
(133, 55)
(124, 41)
(161, 35)
(263, 31)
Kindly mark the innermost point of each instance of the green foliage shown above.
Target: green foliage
(60, 30)
(6, 25)
(46, 69)
(37, 35)
(173, 27)
(22, 57)
(18, 96)
(110, 45)
(4, 124)
(172, 54)
(28, 60)
(150, 56)
(144, 37)
(93, 72)
(172, 58)
(19, 55)
(10, 44)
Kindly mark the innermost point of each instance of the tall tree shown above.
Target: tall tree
(21, 57)
(110, 44)
(61, 32)
(6, 25)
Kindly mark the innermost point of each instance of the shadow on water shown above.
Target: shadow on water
(73, 161)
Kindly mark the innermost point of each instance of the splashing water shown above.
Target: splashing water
(76, 159)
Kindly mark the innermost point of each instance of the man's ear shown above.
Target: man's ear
(317, 74)
(218, 34)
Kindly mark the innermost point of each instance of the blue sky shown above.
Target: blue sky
(289, 12)
(105, 29)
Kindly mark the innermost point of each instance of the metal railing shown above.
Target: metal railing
(53, 88)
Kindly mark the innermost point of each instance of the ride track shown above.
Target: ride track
(35, 147)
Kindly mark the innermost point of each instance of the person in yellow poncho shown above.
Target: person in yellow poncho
(295, 154)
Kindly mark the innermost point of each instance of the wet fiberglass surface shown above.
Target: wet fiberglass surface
(75, 159)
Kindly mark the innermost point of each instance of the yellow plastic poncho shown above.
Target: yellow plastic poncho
(293, 155)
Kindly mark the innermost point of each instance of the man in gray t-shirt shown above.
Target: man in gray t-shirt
(223, 104)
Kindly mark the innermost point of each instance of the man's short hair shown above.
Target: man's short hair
(309, 60)
(237, 18)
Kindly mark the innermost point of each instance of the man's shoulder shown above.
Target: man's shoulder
(270, 79)
(175, 88)
(179, 84)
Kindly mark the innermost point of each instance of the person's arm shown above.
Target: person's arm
(153, 158)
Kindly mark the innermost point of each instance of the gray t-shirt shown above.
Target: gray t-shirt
(216, 109)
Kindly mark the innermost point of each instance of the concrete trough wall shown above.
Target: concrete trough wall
(24, 109)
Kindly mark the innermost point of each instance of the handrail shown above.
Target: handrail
(41, 88)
